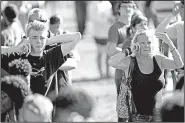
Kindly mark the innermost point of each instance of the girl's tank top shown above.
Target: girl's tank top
(145, 87)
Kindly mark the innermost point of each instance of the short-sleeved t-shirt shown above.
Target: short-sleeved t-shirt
(116, 34)
(43, 67)
(61, 75)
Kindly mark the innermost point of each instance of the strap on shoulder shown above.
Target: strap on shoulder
(131, 67)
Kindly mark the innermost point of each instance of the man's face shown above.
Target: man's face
(126, 9)
(55, 28)
(38, 40)
(6, 102)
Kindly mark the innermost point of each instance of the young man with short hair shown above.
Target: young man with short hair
(44, 63)
(71, 59)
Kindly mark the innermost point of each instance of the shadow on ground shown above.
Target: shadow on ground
(90, 79)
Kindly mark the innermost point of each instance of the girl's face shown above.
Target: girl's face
(142, 25)
(145, 43)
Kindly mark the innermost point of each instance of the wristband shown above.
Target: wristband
(172, 49)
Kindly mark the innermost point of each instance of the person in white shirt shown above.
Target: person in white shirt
(175, 30)
(102, 21)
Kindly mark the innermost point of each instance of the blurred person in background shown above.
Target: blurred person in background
(102, 20)
(7, 35)
(115, 10)
(162, 9)
(13, 92)
(150, 14)
(146, 82)
(81, 13)
(115, 38)
(36, 108)
(175, 30)
(56, 24)
(138, 21)
(11, 26)
(73, 105)
(22, 68)
(23, 8)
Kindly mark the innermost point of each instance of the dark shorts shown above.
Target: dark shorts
(101, 41)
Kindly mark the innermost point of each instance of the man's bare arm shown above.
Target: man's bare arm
(9, 50)
(68, 41)
(63, 38)
(164, 25)
(23, 47)
(70, 45)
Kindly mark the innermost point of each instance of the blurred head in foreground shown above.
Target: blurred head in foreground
(172, 109)
(13, 90)
(73, 105)
(36, 108)
(22, 68)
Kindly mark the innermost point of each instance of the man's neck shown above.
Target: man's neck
(37, 53)
(125, 19)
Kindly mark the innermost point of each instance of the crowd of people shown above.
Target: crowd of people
(36, 61)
